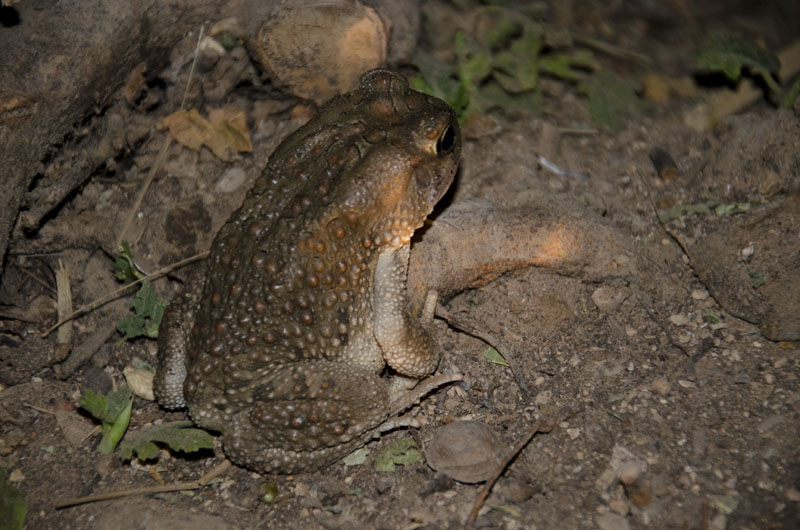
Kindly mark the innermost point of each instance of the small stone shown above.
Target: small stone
(544, 398)
(679, 319)
(630, 331)
(466, 451)
(780, 363)
(608, 298)
(612, 521)
(231, 180)
(769, 379)
(573, 433)
(699, 294)
(793, 494)
(516, 491)
(630, 471)
(720, 522)
(661, 386)
(685, 383)
(619, 506)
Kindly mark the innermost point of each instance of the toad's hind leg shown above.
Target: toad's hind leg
(304, 416)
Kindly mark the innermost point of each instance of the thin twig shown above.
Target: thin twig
(543, 425)
(39, 281)
(613, 50)
(122, 290)
(151, 175)
(462, 324)
(160, 158)
(179, 486)
(685, 251)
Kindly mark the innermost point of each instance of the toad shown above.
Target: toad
(281, 341)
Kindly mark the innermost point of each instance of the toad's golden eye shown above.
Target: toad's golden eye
(446, 141)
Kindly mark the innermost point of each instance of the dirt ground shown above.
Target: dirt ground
(669, 370)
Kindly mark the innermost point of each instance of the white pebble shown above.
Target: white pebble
(699, 294)
(679, 319)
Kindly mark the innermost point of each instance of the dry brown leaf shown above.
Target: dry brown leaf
(225, 133)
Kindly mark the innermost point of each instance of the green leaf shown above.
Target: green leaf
(493, 27)
(117, 401)
(113, 432)
(756, 279)
(569, 66)
(517, 69)
(728, 53)
(403, 451)
(113, 411)
(681, 210)
(95, 404)
(474, 65)
(148, 312)
(356, 458)
(611, 101)
(124, 268)
(12, 505)
(732, 208)
(492, 95)
(178, 436)
(787, 101)
(437, 79)
(712, 316)
(494, 356)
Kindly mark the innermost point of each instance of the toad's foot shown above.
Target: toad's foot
(401, 401)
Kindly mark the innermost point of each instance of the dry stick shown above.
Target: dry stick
(39, 281)
(613, 50)
(178, 486)
(685, 251)
(544, 425)
(493, 341)
(151, 175)
(122, 290)
(162, 156)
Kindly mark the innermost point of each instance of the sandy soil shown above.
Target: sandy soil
(671, 381)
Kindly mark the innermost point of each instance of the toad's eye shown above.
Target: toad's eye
(446, 141)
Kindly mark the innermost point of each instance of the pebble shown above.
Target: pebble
(231, 180)
(699, 294)
(608, 298)
(679, 319)
(466, 451)
(769, 379)
(573, 433)
(661, 386)
(780, 363)
(685, 383)
(630, 471)
(612, 521)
